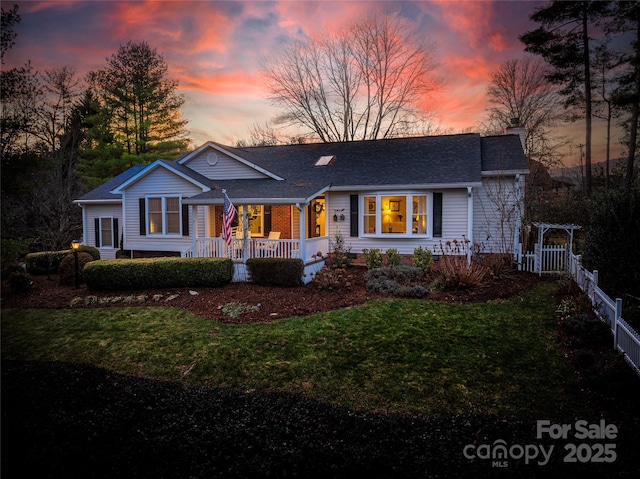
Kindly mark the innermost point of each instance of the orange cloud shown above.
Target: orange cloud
(472, 21)
(171, 25)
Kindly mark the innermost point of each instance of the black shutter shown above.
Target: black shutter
(96, 223)
(143, 216)
(185, 220)
(116, 235)
(437, 215)
(267, 220)
(354, 215)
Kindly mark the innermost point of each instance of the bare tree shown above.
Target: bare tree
(520, 90)
(367, 80)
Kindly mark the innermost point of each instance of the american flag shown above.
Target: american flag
(227, 218)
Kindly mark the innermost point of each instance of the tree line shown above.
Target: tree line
(63, 135)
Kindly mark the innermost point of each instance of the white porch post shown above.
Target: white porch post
(245, 231)
(469, 221)
(194, 222)
(303, 229)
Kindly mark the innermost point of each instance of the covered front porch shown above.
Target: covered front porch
(276, 230)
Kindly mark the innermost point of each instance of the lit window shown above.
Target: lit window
(370, 214)
(164, 215)
(395, 214)
(172, 215)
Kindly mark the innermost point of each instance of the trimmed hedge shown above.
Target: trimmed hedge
(276, 271)
(152, 273)
(38, 263)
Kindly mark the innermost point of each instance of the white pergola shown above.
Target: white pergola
(544, 227)
(542, 230)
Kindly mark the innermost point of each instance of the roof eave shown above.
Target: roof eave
(101, 201)
(524, 171)
(144, 172)
(415, 186)
(215, 146)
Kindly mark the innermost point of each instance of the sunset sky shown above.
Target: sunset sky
(214, 49)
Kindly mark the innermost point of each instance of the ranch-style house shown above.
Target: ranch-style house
(294, 200)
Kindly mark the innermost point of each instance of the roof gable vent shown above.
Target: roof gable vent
(325, 160)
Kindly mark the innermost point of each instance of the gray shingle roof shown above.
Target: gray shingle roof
(422, 160)
(446, 160)
(103, 192)
(503, 153)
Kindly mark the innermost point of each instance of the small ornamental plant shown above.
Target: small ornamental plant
(423, 259)
(372, 257)
(393, 258)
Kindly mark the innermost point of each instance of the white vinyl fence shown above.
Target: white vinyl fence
(625, 338)
(558, 259)
(544, 259)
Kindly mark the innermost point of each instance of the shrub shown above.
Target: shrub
(340, 252)
(612, 238)
(332, 278)
(234, 309)
(402, 280)
(276, 271)
(497, 263)
(93, 251)
(372, 257)
(457, 273)
(13, 249)
(423, 259)
(45, 262)
(67, 268)
(19, 281)
(393, 258)
(150, 273)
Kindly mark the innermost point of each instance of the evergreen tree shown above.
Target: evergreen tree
(563, 40)
(141, 104)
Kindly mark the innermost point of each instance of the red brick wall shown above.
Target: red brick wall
(281, 220)
(218, 216)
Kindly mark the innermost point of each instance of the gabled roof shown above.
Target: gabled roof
(103, 192)
(232, 152)
(447, 161)
(176, 168)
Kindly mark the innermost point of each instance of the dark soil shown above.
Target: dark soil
(78, 421)
(275, 302)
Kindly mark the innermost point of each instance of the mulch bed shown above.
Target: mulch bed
(275, 302)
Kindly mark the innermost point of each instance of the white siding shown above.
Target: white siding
(454, 224)
(495, 211)
(93, 211)
(159, 182)
(227, 168)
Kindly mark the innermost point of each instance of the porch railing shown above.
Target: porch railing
(241, 249)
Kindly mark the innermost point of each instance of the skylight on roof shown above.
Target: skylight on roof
(325, 160)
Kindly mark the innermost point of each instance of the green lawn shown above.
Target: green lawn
(406, 356)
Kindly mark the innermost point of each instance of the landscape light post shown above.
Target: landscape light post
(75, 244)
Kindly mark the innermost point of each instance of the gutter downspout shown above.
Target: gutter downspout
(84, 223)
(469, 221)
(518, 222)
